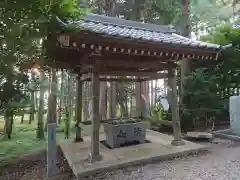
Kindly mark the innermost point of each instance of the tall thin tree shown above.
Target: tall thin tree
(186, 31)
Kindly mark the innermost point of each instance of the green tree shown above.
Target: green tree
(23, 25)
(211, 83)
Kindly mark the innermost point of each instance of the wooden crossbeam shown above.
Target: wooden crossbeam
(87, 77)
(132, 66)
(116, 79)
(136, 74)
(138, 64)
(132, 76)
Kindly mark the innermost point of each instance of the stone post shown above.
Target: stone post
(234, 104)
(173, 95)
(94, 154)
(51, 150)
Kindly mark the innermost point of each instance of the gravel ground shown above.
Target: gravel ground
(221, 163)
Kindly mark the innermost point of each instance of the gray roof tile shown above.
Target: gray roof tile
(136, 30)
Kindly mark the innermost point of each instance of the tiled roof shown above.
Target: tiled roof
(137, 31)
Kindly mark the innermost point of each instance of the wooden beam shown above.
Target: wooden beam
(146, 69)
(106, 68)
(123, 49)
(118, 43)
(133, 76)
(136, 74)
(104, 79)
(137, 64)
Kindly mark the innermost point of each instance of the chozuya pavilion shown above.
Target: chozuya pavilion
(108, 48)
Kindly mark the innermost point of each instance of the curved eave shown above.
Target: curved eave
(174, 41)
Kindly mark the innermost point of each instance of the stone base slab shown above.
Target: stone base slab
(159, 148)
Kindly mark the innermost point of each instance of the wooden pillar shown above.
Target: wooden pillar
(86, 100)
(112, 100)
(173, 101)
(78, 110)
(94, 154)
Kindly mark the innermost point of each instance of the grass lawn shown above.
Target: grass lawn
(23, 141)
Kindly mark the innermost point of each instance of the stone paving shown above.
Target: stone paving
(159, 148)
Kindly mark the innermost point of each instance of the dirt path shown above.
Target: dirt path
(221, 163)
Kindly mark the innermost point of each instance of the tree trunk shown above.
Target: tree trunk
(186, 29)
(78, 111)
(70, 96)
(10, 124)
(145, 99)
(131, 100)
(52, 90)
(6, 124)
(8, 118)
(74, 97)
(110, 7)
(185, 64)
(67, 123)
(112, 100)
(103, 99)
(61, 98)
(122, 100)
(49, 92)
(40, 130)
(68, 108)
(152, 92)
(32, 110)
(123, 108)
(146, 93)
(138, 99)
(35, 102)
(22, 118)
(156, 91)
